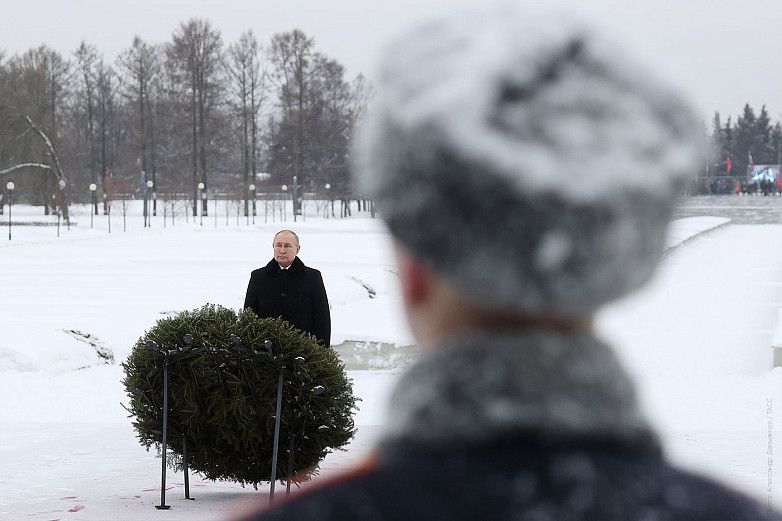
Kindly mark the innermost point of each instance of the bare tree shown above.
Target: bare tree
(181, 110)
(318, 112)
(5, 116)
(141, 65)
(243, 67)
(56, 170)
(33, 89)
(106, 89)
(331, 119)
(292, 54)
(195, 54)
(86, 59)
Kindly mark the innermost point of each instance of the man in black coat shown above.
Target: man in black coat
(516, 410)
(286, 288)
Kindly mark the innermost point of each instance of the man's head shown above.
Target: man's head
(286, 247)
(524, 161)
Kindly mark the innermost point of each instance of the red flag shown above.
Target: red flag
(728, 165)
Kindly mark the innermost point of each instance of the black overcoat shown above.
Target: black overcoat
(522, 480)
(296, 294)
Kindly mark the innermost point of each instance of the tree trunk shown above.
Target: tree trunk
(194, 109)
(202, 140)
(152, 153)
(245, 146)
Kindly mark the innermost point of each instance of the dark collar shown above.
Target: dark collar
(297, 267)
(486, 387)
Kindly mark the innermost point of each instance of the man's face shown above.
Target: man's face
(285, 249)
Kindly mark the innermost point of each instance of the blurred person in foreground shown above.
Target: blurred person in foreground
(526, 170)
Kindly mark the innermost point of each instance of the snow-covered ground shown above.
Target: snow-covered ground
(697, 340)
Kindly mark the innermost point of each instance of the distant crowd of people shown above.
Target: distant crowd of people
(724, 186)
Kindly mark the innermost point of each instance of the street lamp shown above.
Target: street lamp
(93, 187)
(328, 198)
(61, 184)
(147, 217)
(252, 189)
(202, 196)
(10, 186)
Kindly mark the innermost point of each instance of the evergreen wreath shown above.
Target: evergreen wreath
(223, 372)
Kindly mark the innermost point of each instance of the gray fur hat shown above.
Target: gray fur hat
(525, 158)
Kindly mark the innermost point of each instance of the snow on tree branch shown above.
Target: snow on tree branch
(25, 165)
(52, 153)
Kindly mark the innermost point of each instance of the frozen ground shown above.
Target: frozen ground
(697, 339)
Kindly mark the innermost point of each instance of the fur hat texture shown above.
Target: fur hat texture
(526, 158)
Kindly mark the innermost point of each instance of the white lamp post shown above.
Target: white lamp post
(10, 186)
(328, 199)
(201, 195)
(147, 218)
(93, 187)
(285, 202)
(61, 183)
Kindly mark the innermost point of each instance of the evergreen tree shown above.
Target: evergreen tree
(743, 141)
(776, 143)
(715, 147)
(727, 146)
(762, 152)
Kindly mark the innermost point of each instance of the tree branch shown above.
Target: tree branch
(25, 165)
(47, 141)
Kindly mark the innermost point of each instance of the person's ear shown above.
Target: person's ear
(415, 279)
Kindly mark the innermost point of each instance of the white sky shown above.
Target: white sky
(723, 52)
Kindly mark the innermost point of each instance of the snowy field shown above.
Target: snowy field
(697, 340)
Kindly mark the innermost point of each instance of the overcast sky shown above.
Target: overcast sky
(723, 52)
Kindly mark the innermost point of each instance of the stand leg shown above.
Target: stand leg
(162, 505)
(186, 470)
(277, 420)
(290, 467)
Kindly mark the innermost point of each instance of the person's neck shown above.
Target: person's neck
(456, 325)
(522, 323)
